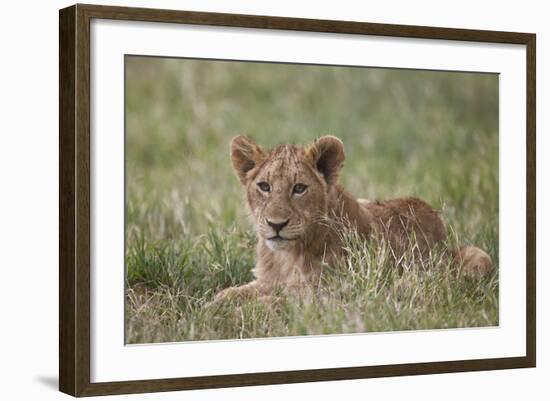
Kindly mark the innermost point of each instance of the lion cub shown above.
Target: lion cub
(291, 190)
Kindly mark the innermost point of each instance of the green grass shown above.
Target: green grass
(428, 134)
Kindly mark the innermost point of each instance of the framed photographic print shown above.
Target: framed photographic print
(250, 200)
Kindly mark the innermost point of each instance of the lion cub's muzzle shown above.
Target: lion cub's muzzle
(277, 226)
(279, 233)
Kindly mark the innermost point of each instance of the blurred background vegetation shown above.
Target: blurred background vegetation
(428, 134)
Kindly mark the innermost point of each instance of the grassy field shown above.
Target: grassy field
(428, 134)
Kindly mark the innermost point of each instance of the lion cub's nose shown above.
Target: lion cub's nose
(277, 226)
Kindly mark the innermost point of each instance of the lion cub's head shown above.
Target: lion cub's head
(288, 187)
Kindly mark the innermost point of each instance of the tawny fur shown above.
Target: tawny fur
(293, 260)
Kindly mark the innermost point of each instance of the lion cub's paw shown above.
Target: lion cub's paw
(476, 262)
(227, 294)
(236, 293)
(244, 293)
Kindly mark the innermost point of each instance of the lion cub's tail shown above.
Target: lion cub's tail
(474, 261)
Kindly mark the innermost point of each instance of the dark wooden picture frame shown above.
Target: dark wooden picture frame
(74, 199)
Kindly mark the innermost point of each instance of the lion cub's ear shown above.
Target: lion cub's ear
(327, 155)
(245, 155)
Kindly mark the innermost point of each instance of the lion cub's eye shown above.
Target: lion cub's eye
(264, 186)
(299, 189)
